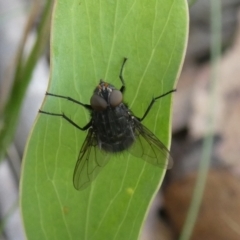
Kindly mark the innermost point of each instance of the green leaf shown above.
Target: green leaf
(89, 41)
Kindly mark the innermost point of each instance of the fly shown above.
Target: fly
(113, 128)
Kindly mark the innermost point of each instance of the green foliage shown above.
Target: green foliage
(23, 73)
(89, 41)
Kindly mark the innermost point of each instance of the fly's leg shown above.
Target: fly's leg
(153, 101)
(87, 106)
(122, 89)
(68, 119)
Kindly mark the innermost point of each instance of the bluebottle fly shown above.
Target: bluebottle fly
(113, 128)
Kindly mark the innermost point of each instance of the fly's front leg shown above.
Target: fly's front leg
(87, 106)
(122, 89)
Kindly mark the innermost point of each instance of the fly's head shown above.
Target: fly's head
(105, 95)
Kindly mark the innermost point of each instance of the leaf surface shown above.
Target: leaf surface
(89, 41)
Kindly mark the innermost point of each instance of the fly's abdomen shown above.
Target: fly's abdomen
(114, 129)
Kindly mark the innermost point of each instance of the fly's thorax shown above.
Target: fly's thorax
(104, 96)
(114, 128)
(112, 117)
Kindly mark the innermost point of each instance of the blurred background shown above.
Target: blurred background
(206, 117)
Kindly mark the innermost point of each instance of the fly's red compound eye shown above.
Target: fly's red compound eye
(98, 103)
(115, 98)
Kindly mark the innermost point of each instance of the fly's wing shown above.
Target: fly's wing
(148, 147)
(90, 162)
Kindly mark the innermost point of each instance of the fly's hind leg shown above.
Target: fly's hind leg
(153, 101)
(68, 119)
